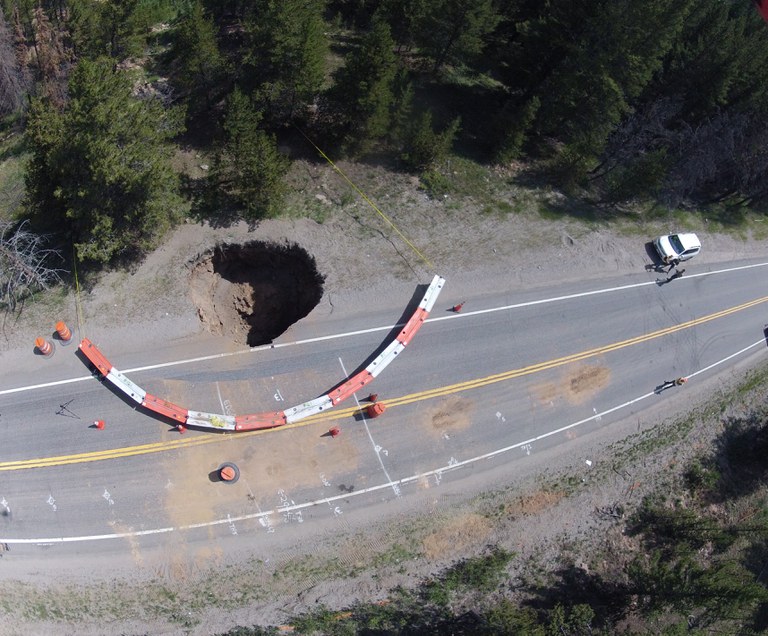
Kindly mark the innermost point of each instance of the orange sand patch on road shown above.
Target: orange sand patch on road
(449, 415)
(579, 384)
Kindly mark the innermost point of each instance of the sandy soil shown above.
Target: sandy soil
(365, 259)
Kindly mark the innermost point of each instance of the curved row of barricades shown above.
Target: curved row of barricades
(272, 419)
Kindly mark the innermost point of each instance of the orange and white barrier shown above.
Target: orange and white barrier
(164, 408)
(313, 407)
(211, 420)
(259, 421)
(133, 391)
(272, 419)
(95, 357)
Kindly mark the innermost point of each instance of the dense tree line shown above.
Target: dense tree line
(614, 99)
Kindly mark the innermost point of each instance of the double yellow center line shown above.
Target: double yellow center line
(181, 443)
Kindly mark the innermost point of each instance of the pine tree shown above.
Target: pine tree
(423, 147)
(608, 54)
(111, 28)
(284, 56)
(512, 125)
(364, 90)
(102, 166)
(454, 30)
(249, 169)
(202, 66)
(404, 17)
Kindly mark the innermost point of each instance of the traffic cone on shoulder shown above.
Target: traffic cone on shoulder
(44, 346)
(335, 431)
(64, 332)
(373, 397)
(181, 428)
(457, 308)
(100, 424)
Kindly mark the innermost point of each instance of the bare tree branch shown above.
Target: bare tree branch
(24, 264)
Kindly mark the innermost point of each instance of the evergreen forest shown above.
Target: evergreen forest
(613, 101)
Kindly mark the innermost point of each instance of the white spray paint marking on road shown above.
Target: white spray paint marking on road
(263, 517)
(226, 405)
(376, 448)
(359, 332)
(232, 527)
(289, 509)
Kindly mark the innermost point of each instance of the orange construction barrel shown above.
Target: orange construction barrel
(44, 346)
(65, 335)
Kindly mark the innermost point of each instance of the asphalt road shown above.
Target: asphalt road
(509, 377)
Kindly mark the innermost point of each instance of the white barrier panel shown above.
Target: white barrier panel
(385, 357)
(211, 420)
(132, 390)
(318, 405)
(433, 291)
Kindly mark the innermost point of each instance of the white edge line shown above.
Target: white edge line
(370, 489)
(349, 334)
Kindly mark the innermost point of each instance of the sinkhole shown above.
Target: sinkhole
(253, 292)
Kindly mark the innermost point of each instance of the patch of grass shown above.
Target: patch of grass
(395, 555)
(436, 184)
(471, 179)
(347, 198)
(500, 208)
(466, 77)
(481, 573)
(54, 301)
(320, 621)
(700, 477)
(311, 567)
(753, 380)
(13, 156)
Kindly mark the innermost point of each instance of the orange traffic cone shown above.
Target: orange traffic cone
(44, 346)
(100, 424)
(181, 428)
(65, 335)
(457, 308)
(373, 397)
(335, 431)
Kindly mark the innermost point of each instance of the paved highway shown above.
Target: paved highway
(513, 375)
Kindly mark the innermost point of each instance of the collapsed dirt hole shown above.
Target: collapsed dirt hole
(253, 292)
